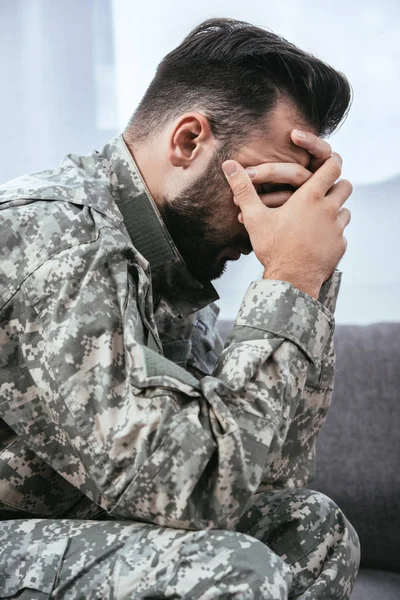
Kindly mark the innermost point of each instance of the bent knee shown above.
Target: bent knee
(248, 567)
(239, 566)
(324, 511)
(321, 514)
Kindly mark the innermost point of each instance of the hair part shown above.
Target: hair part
(234, 73)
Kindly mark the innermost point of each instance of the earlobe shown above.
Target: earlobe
(190, 134)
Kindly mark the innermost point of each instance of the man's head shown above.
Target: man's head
(230, 90)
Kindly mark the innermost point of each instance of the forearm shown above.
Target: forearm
(293, 464)
(215, 451)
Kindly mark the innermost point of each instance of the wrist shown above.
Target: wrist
(311, 288)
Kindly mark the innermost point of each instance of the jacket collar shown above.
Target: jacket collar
(150, 236)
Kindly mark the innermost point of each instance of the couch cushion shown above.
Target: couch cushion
(376, 585)
(358, 455)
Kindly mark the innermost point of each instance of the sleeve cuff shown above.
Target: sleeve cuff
(330, 291)
(279, 308)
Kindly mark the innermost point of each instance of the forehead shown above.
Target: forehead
(272, 142)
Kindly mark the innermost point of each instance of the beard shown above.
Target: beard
(196, 220)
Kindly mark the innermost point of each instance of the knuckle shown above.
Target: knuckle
(267, 172)
(338, 156)
(348, 186)
(331, 211)
(313, 194)
(241, 189)
(269, 169)
(336, 170)
(298, 175)
(348, 215)
(341, 247)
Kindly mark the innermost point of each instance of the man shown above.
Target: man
(139, 458)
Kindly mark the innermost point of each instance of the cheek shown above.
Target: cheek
(227, 222)
(232, 218)
(231, 231)
(230, 210)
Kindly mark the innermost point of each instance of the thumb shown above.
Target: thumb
(244, 193)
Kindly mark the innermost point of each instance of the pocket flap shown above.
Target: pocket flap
(30, 564)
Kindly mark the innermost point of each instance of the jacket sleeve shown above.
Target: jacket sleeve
(292, 464)
(136, 433)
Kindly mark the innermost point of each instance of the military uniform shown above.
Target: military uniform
(138, 457)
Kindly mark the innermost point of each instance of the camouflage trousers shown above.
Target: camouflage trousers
(288, 544)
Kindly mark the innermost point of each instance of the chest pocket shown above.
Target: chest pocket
(28, 563)
(206, 342)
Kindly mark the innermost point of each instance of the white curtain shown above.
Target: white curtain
(53, 64)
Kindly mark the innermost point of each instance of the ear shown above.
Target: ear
(190, 137)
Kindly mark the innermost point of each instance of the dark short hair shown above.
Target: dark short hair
(234, 73)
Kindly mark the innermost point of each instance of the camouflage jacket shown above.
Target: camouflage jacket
(117, 399)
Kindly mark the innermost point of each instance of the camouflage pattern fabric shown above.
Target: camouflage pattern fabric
(119, 403)
(289, 544)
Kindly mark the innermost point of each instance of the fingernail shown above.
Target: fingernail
(229, 168)
(251, 172)
(300, 134)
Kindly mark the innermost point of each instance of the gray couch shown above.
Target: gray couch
(358, 455)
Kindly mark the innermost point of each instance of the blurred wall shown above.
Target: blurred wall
(49, 72)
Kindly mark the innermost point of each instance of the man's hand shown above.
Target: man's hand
(302, 241)
(272, 175)
(291, 175)
(319, 149)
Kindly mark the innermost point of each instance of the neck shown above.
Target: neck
(145, 156)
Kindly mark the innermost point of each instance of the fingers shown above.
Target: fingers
(340, 192)
(316, 146)
(319, 149)
(344, 217)
(244, 193)
(272, 200)
(287, 173)
(275, 199)
(321, 181)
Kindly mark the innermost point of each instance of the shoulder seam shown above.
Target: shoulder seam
(14, 291)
